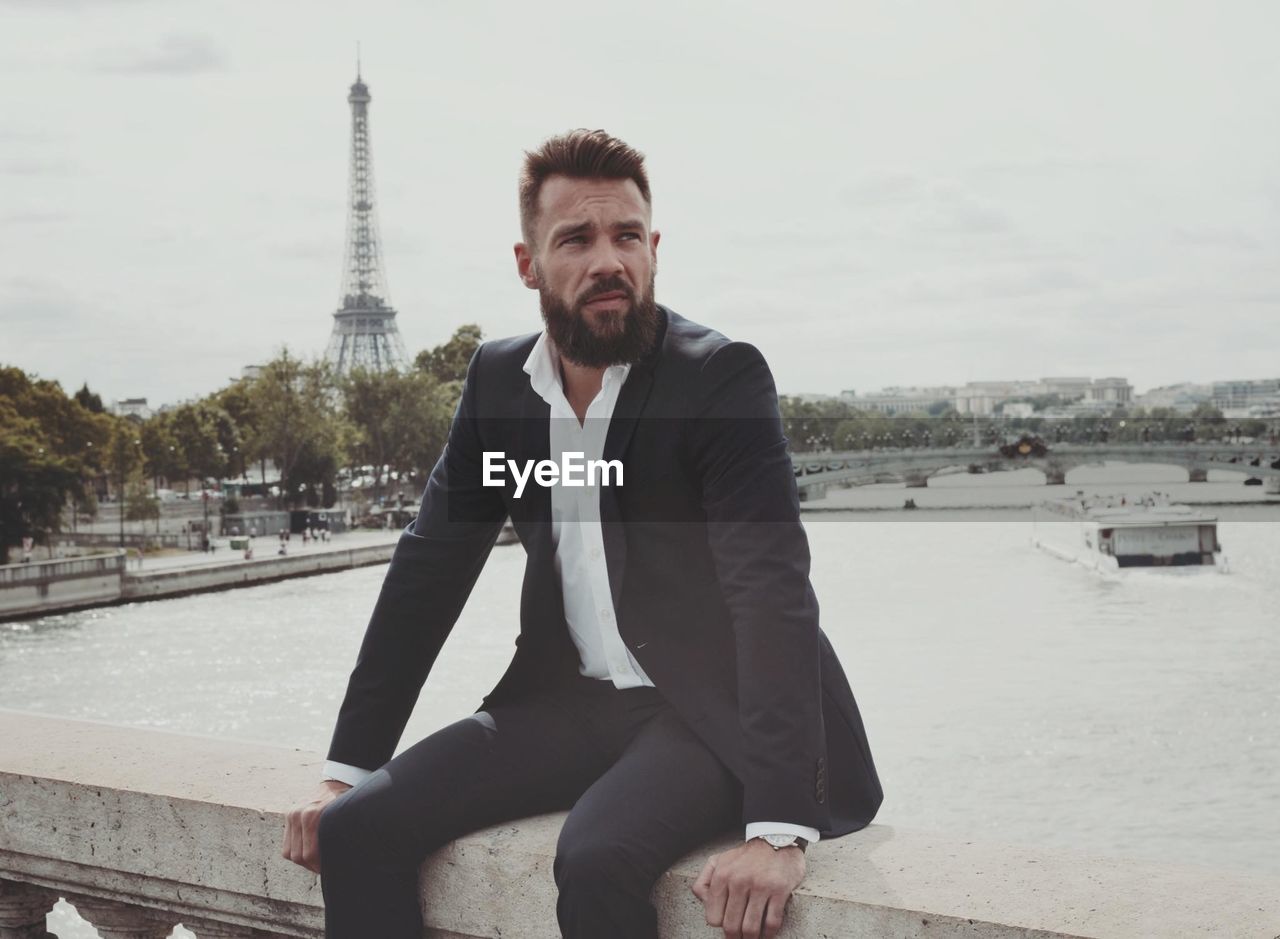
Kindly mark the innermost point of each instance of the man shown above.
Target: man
(670, 681)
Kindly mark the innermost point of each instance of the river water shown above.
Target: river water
(1009, 696)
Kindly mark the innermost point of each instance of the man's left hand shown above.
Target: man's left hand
(745, 890)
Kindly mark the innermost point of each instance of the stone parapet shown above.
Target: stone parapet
(41, 586)
(57, 586)
(186, 580)
(142, 829)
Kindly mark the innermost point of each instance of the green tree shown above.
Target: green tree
(237, 401)
(370, 401)
(89, 401)
(49, 445)
(298, 425)
(449, 361)
(203, 433)
(398, 420)
(139, 504)
(160, 450)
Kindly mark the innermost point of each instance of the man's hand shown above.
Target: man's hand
(746, 890)
(302, 826)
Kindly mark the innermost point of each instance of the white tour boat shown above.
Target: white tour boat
(1108, 533)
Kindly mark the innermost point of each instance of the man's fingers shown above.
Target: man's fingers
(311, 838)
(753, 918)
(702, 886)
(717, 896)
(292, 830)
(773, 915)
(734, 908)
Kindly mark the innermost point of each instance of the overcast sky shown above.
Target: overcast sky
(874, 193)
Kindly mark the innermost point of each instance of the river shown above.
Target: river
(1009, 696)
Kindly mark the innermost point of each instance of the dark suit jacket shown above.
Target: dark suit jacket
(708, 565)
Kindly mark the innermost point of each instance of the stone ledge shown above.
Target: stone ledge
(192, 825)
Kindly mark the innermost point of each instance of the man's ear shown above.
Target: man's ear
(525, 268)
(654, 238)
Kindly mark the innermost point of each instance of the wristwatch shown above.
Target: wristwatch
(778, 842)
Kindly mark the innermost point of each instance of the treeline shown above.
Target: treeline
(60, 452)
(836, 425)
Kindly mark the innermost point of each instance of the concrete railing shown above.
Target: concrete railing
(180, 581)
(11, 575)
(51, 586)
(43, 585)
(143, 829)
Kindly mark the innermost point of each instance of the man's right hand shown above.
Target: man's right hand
(302, 826)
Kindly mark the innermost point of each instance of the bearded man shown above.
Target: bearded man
(670, 681)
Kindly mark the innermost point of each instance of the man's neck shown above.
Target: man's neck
(581, 385)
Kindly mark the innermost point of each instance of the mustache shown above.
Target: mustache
(613, 284)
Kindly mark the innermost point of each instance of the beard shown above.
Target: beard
(610, 337)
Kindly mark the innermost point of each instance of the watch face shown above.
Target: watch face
(780, 841)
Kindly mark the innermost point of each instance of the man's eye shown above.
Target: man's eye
(575, 240)
(630, 234)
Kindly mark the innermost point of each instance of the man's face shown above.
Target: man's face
(593, 266)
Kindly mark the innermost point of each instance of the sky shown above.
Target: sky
(906, 192)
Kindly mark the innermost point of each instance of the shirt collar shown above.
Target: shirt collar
(543, 368)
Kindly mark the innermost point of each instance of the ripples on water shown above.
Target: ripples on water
(1009, 696)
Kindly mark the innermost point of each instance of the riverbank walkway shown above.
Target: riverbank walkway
(103, 579)
(265, 548)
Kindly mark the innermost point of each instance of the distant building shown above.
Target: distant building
(1184, 397)
(251, 372)
(1115, 390)
(1017, 409)
(900, 400)
(1086, 408)
(132, 407)
(1257, 398)
(983, 397)
(1071, 388)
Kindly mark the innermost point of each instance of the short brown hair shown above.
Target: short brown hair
(578, 154)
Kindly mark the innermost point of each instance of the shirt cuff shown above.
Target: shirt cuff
(756, 829)
(344, 772)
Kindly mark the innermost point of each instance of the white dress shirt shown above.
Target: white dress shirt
(579, 559)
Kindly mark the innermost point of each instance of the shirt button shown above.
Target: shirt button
(595, 554)
(605, 614)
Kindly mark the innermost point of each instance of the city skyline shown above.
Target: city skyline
(874, 195)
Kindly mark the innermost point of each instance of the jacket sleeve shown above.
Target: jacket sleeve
(434, 567)
(761, 558)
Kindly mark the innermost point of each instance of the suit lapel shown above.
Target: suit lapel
(534, 443)
(626, 415)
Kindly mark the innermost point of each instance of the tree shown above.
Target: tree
(237, 401)
(448, 362)
(205, 437)
(160, 450)
(49, 444)
(35, 481)
(398, 420)
(370, 401)
(139, 504)
(299, 428)
(88, 400)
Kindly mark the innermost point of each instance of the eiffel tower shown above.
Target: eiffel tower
(364, 334)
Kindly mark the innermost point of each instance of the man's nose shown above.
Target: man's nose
(606, 260)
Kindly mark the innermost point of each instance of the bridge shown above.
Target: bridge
(914, 466)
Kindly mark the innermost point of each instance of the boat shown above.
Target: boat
(1108, 533)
